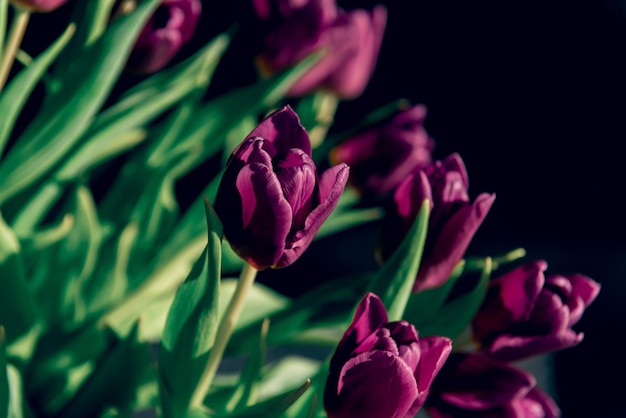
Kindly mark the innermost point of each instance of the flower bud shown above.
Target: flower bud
(381, 369)
(525, 313)
(351, 41)
(171, 26)
(452, 224)
(382, 157)
(271, 200)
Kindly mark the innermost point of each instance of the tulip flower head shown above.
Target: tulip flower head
(42, 6)
(476, 386)
(382, 369)
(382, 157)
(171, 26)
(526, 313)
(453, 218)
(351, 41)
(271, 199)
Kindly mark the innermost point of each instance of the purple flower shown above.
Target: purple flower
(42, 6)
(286, 8)
(525, 313)
(453, 219)
(382, 157)
(171, 26)
(381, 369)
(271, 200)
(351, 41)
(475, 386)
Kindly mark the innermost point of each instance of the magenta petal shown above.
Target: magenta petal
(298, 177)
(266, 216)
(375, 385)
(331, 186)
(283, 130)
(451, 243)
(369, 315)
(513, 347)
(585, 287)
(537, 404)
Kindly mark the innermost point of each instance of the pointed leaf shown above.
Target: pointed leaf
(394, 282)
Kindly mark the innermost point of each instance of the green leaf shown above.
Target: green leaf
(105, 388)
(12, 99)
(63, 118)
(394, 282)
(18, 309)
(191, 325)
(454, 316)
(275, 406)
(4, 380)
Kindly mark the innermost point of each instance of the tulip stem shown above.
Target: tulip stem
(224, 331)
(16, 34)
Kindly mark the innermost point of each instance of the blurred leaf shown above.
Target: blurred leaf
(4, 380)
(394, 281)
(275, 406)
(4, 7)
(191, 325)
(18, 309)
(342, 220)
(65, 116)
(105, 388)
(18, 408)
(12, 99)
(456, 315)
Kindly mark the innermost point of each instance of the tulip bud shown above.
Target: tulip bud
(271, 200)
(525, 313)
(171, 26)
(42, 6)
(351, 41)
(475, 386)
(381, 369)
(382, 157)
(452, 224)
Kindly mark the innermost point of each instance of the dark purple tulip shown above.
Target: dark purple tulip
(381, 369)
(453, 219)
(170, 27)
(351, 41)
(271, 200)
(42, 6)
(525, 313)
(475, 386)
(382, 157)
(286, 8)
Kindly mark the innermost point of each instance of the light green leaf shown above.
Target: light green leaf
(65, 116)
(394, 282)
(191, 325)
(4, 380)
(275, 406)
(12, 99)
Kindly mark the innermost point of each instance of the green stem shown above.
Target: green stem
(18, 28)
(224, 331)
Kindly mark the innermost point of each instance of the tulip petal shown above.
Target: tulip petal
(331, 186)
(297, 176)
(514, 347)
(451, 243)
(283, 130)
(376, 384)
(266, 216)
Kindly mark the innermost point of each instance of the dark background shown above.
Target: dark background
(532, 95)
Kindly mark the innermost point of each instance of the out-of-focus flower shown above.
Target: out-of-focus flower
(382, 369)
(271, 200)
(473, 385)
(286, 8)
(453, 219)
(381, 158)
(171, 26)
(525, 313)
(351, 41)
(42, 6)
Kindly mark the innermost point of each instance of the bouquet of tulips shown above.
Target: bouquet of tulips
(119, 297)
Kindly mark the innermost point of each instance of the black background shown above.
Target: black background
(532, 95)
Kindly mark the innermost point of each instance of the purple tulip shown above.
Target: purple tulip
(42, 6)
(382, 157)
(525, 313)
(170, 27)
(286, 8)
(453, 219)
(475, 386)
(271, 200)
(381, 369)
(351, 41)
